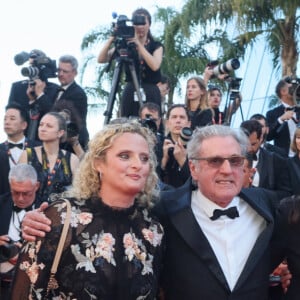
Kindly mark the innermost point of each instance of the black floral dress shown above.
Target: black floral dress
(109, 254)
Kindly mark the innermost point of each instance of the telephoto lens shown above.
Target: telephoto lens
(185, 135)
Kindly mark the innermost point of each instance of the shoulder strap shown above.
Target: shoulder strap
(52, 284)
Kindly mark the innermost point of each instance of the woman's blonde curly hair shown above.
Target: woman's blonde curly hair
(87, 182)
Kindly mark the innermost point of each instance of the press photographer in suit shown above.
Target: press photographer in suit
(35, 94)
(71, 91)
(283, 119)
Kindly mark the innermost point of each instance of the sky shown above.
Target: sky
(57, 27)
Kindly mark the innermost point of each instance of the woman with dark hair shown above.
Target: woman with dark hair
(212, 114)
(286, 242)
(195, 99)
(146, 55)
(55, 167)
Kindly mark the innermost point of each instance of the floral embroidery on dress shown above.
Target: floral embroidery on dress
(99, 247)
(152, 236)
(31, 267)
(77, 216)
(136, 250)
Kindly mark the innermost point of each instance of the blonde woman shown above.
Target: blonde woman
(114, 246)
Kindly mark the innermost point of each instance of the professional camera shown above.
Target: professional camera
(234, 87)
(185, 135)
(294, 90)
(122, 30)
(72, 130)
(41, 67)
(8, 251)
(149, 123)
(224, 68)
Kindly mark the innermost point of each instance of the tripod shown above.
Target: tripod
(121, 60)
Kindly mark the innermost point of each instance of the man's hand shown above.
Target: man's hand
(287, 115)
(35, 224)
(4, 239)
(180, 153)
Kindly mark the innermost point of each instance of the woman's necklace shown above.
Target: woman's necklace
(46, 166)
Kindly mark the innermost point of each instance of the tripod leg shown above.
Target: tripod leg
(135, 82)
(113, 92)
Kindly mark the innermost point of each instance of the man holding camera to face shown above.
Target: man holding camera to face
(174, 164)
(35, 94)
(23, 186)
(284, 118)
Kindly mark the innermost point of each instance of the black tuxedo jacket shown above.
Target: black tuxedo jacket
(75, 94)
(43, 104)
(278, 132)
(273, 173)
(4, 163)
(6, 205)
(191, 269)
(294, 171)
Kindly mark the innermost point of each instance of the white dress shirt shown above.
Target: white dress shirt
(231, 239)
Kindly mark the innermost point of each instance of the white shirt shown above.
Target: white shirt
(292, 127)
(16, 152)
(255, 181)
(231, 239)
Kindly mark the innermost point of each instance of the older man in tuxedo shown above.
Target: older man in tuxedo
(14, 204)
(217, 234)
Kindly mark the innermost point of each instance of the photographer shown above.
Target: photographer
(283, 119)
(14, 204)
(150, 116)
(146, 54)
(174, 164)
(74, 124)
(36, 95)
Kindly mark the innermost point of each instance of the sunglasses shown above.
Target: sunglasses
(217, 161)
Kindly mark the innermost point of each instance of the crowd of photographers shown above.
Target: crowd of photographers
(43, 118)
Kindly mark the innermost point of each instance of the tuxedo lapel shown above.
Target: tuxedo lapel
(187, 226)
(263, 240)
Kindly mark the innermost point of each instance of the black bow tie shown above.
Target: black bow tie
(12, 145)
(61, 89)
(254, 157)
(18, 209)
(231, 213)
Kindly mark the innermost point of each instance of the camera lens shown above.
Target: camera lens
(185, 135)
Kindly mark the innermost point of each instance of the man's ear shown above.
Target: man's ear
(194, 168)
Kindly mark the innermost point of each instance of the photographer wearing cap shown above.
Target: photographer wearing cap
(174, 164)
(23, 186)
(146, 55)
(283, 119)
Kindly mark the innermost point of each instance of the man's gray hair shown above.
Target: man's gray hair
(22, 172)
(69, 59)
(202, 133)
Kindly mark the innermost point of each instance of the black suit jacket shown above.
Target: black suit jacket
(43, 104)
(273, 173)
(75, 94)
(294, 172)
(4, 163)
(191, 269)
(278, 132)
(6, 205)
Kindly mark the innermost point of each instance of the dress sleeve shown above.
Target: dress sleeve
(36, 258)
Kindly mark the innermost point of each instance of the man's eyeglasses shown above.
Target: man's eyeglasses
(24, 194)
(217, 161)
